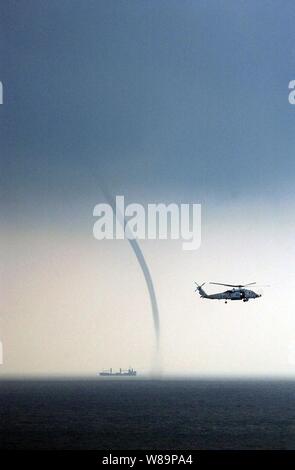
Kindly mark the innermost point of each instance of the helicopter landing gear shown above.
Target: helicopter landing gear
(225, 302)
(245, 300)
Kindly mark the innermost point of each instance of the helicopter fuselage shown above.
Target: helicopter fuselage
(232, 294)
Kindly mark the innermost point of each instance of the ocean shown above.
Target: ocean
(116, 414)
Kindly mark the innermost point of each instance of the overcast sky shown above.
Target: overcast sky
(162, 101)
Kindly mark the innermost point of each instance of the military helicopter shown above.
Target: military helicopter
(238, 292)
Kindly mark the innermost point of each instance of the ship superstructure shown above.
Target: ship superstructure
(121, 373)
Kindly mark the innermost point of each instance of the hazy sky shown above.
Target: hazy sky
(163, 101)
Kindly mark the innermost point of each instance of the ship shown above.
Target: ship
(121, 373)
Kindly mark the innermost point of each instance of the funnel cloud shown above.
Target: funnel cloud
(144, 267)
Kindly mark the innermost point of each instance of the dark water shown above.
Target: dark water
(143, 414)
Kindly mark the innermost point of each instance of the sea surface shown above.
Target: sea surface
(134, 414)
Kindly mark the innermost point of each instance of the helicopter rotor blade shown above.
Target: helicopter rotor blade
(263, 285)
(220, 284)
(227, 285)
(233, 285)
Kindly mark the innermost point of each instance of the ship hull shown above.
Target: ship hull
(107, 374)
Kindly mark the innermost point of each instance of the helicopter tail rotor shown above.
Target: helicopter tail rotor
(199, 286)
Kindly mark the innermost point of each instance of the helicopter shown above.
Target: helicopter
(238, 292)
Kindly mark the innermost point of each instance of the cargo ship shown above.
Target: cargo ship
(121, 373)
